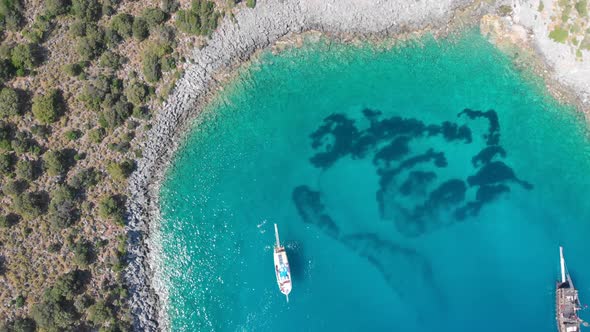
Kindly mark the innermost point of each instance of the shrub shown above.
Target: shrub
(7, 70)
(170, 6)
(140, 29)
(30, 204)
(54, 162)
(48, 108)
(78, 29)
(82, 253)
(14, 188)
(39, 30)
(99, 313)
(6, 133)
(73, 135)
(112, 208)
(582, 8)
(23, 143)
(154, 16)
(503, 10)
(62, 208)
(136, 93)
(25, 57)
(9, 102)
(73, 69)
(111, 38)
(6, 163)
(22, 324)
(116, 115)
(123, 25)
(40, 131)
(168, 64)
(559, 35)
(96, 135)
(84, 179)
(87, 10)
(120, 171)
(50, 316)
(200, 19)
(56, 7)
(250, 3)
(25, 169)
(10, 14)
(110, 60)
(151, 67)
(92, 45)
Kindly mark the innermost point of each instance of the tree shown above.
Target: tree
(170, 6)
(114, 116)
(25, 57)
(154, 16)
(25, 169)
(136, 93)
(140, 29)
(10, 14)
(48, 108)
(30, 204)
(73, 69)
(84, 179)
(151, 67)
(99, 313)
(14, 188)
(120, 171)
(23, 324)
(54, 162)
(62, 208)
(87, 10)
(123, 25)
(9, 102)
(110, 60)
(200, 19)
(111, 208)
(92, 45)
(83, 253)
(96, 135)
(56, 7)
(7, 70)
(6, 163)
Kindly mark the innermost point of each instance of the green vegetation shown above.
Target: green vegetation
(65, 127)
(48, 108)
(200, 19)
(154, 16)
(62, 208)
(112, 208)
(559, 35)
(121, 171)
(123, 25)
(140, 29)
(25, 57)
(10, 14)
(582, 8)
(86, 10)
(9, 102)
(55, 163)
(250, 3)
(57, 7)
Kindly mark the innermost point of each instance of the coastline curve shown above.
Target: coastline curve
(233, 43)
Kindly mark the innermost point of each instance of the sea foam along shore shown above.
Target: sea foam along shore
(233, 43)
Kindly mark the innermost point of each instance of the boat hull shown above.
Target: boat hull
(282, 270)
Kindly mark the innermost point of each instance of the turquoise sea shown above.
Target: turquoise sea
(421, 187)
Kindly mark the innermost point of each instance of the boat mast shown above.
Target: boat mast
(561, 260)
(277, 235)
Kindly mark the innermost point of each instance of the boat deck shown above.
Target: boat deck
(567, 304)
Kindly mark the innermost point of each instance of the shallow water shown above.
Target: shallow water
(424, 187)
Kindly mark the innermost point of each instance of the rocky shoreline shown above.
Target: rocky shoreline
(234, 42)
